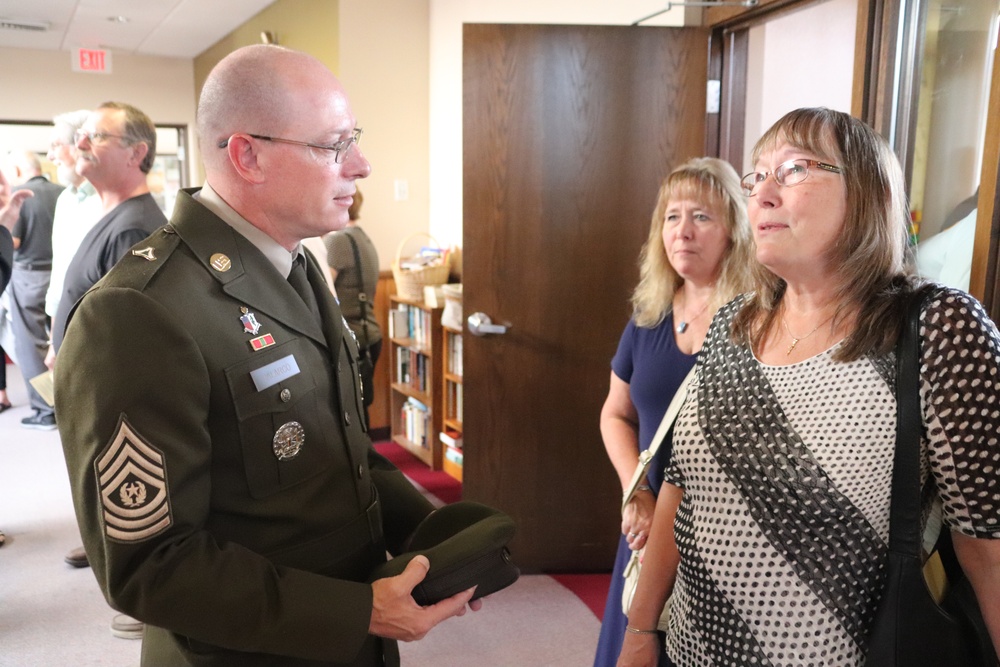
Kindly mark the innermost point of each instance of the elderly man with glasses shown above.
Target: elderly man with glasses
(227, 490)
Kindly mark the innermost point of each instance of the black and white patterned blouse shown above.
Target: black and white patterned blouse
(786, 471)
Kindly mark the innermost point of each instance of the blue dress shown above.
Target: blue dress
(652, 365)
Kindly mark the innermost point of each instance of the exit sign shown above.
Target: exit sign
(92, 60)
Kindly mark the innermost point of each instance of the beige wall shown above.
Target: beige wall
(162, 87)
(384, 65)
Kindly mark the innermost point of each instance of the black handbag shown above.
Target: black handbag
(365, 366)
(910, 628)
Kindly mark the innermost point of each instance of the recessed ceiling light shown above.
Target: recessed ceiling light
(118, 19)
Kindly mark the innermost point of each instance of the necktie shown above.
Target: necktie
(300, 283)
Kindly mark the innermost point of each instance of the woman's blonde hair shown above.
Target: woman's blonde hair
(704, 179)
(871, 252)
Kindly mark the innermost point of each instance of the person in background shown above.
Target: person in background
(77, 210)
(694, 261)
(10, 209)
(225, 377)
(32, 267)
(775, 505)
(115, 149)
(348, 285)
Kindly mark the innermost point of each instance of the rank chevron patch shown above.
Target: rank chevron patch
(133, 487)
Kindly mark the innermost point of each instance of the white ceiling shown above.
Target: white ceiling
(172, 28)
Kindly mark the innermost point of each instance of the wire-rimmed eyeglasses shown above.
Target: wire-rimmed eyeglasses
(787, 174)
(340, 148)
(96, 138)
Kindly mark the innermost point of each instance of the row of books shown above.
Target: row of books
(453, 400)
(406, 321)
(412, 369)
(416, 421)
(454, 353)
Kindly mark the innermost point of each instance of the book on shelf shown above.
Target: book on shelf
(416, 422)
(412, 369)
(398, 323)
(454, 455)
(455, 353)
(453, 400)
(452, 438)
(409, 321)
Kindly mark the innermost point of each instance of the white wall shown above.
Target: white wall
(161, 87)
(792, 64)
(446, 19)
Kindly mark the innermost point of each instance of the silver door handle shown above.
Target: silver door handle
(480, 324)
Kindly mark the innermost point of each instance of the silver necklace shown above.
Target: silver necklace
(682, 324)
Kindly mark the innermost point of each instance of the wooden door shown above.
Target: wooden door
(568, 131)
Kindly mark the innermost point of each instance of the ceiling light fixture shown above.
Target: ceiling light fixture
(118, 19)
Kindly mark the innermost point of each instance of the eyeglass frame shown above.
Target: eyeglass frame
(340, 148)
(98, 138)
(751, 192)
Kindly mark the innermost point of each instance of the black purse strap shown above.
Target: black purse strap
(904, 513)
(362, 295)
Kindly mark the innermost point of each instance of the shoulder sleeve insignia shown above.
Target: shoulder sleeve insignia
(133, 485)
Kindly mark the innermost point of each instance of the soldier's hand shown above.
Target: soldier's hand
(396, 615)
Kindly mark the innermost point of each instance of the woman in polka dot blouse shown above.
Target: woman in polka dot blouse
(770, 534)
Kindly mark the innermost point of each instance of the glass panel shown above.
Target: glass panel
(955, 61)
(791, 65)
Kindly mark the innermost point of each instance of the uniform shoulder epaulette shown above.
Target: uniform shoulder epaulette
(143, 260)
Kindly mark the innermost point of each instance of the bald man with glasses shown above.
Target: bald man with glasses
(227, 490)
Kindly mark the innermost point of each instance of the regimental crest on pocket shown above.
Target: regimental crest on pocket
(132, 478)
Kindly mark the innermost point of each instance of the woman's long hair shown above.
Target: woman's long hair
(700, 179)
(871, 253)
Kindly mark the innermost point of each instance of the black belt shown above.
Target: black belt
(33, 266)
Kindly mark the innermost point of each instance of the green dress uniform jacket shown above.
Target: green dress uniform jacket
(226, 490)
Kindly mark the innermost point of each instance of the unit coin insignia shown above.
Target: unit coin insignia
(261, 342)
(132, 478)
(250, 323)
(145, 253)
(220, 262)
(288, 441)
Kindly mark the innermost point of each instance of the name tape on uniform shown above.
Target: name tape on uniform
(274, 372)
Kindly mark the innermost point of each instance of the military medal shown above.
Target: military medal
(260, 342)
(288, 441)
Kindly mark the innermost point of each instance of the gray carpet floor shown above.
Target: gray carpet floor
(53, 615)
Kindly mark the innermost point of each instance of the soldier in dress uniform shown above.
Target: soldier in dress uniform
(210, 409)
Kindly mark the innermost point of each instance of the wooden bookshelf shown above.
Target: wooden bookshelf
(416, 365)
(451, 401)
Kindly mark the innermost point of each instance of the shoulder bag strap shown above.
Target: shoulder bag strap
(904, 516)
(362, 295)
(646, 457)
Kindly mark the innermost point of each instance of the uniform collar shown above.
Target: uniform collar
(274, 251)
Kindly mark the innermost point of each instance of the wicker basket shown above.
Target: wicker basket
(410, 283)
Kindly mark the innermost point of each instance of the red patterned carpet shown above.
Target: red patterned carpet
(592, 589)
